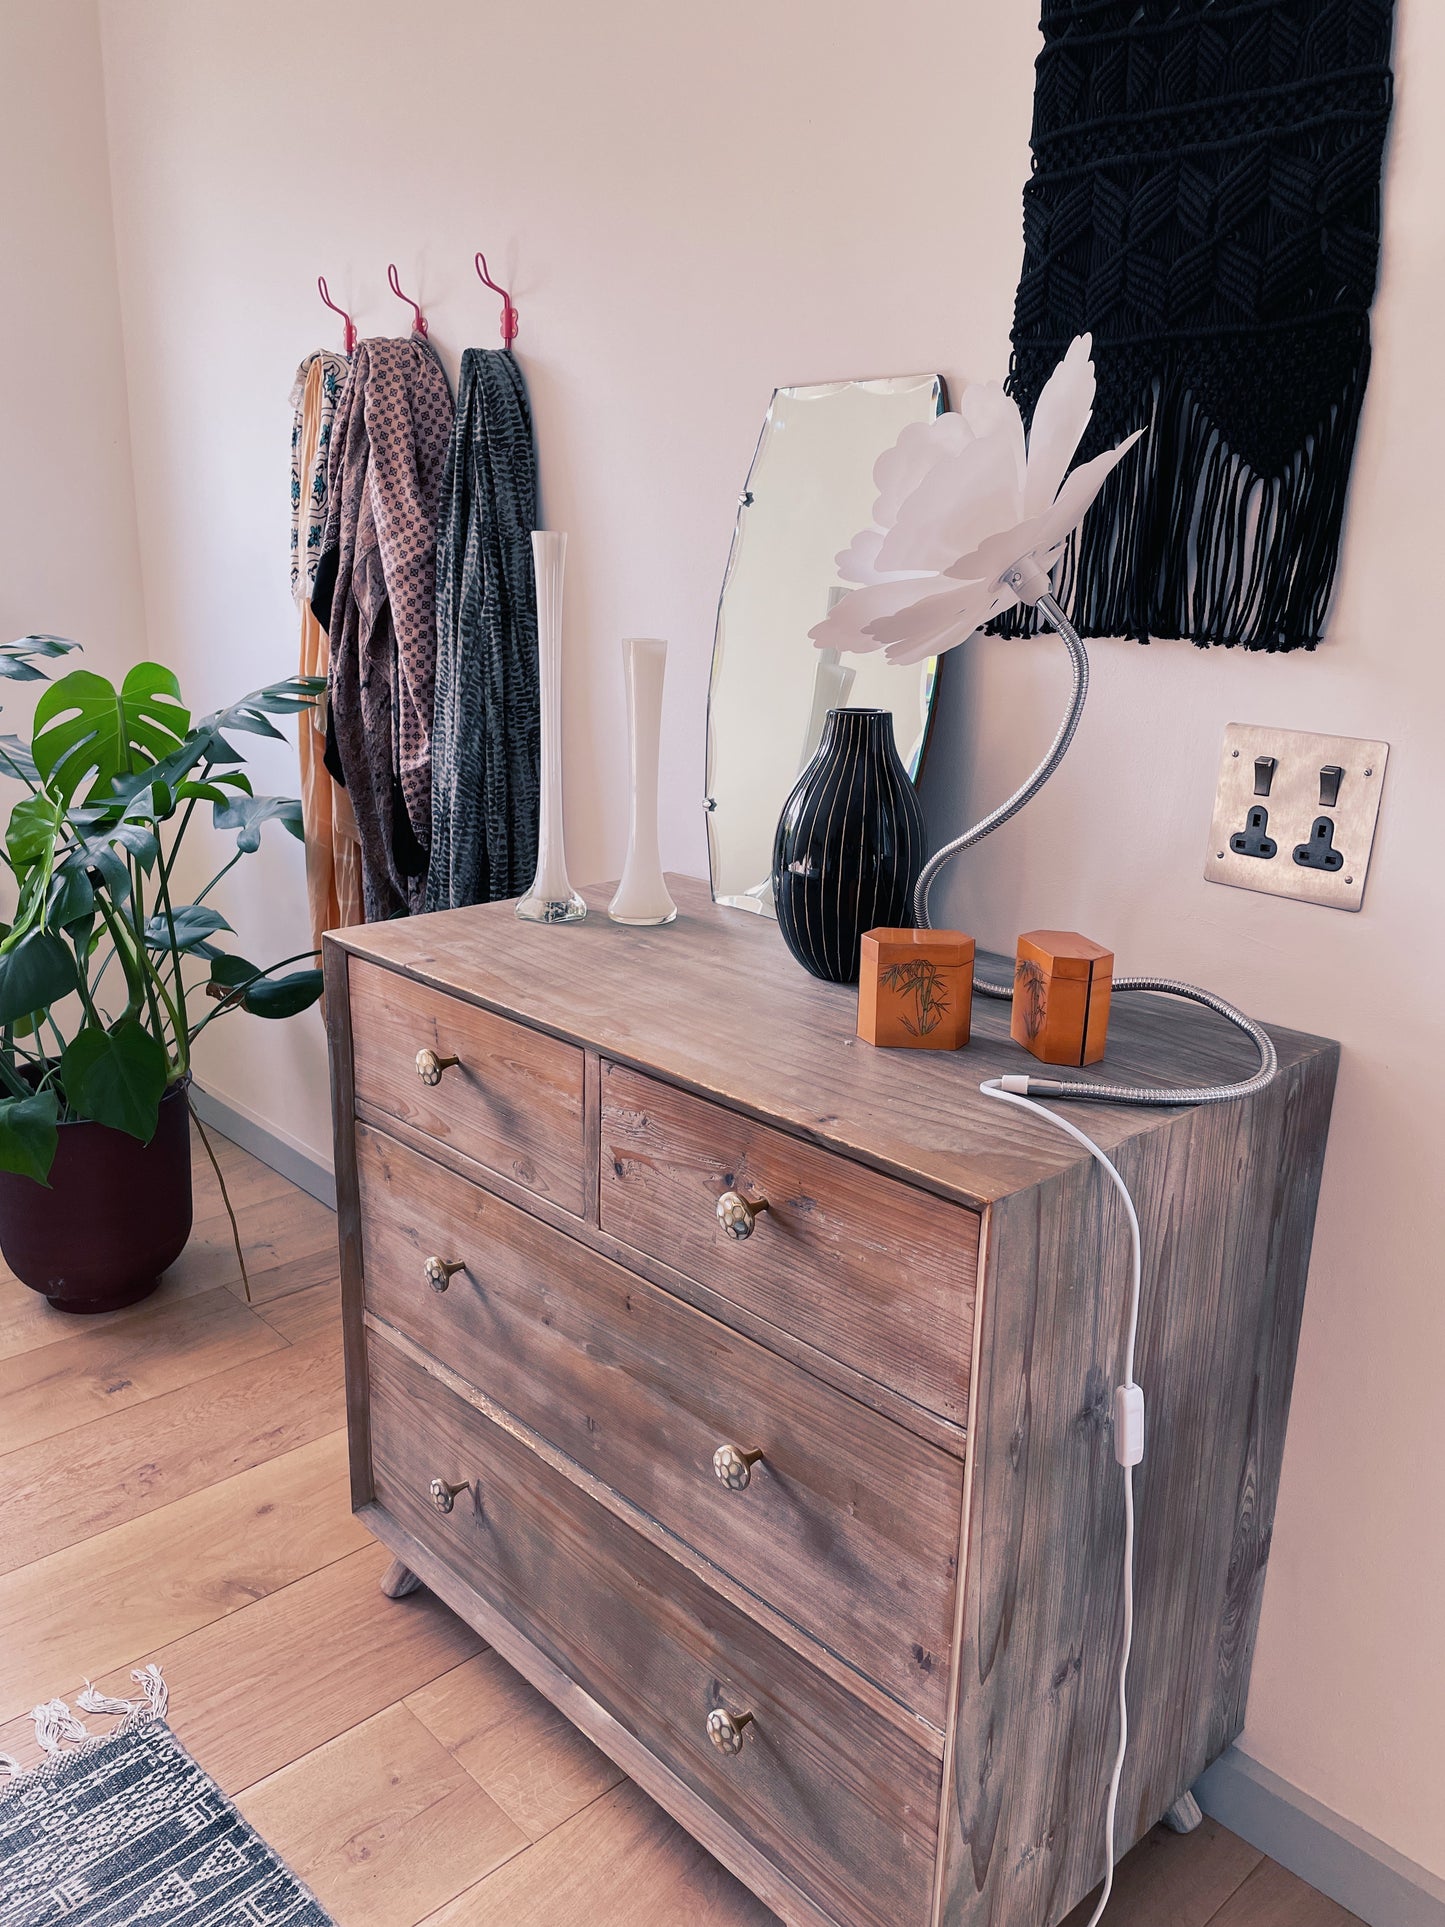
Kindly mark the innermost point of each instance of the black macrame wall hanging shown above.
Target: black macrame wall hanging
(1205, 200)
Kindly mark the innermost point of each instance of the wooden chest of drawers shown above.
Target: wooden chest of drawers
(816, 1531)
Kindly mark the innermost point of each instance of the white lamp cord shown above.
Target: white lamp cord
(1022, 1090)
(1128, 1450)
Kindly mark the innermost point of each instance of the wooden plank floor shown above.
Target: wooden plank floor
(173, 1488)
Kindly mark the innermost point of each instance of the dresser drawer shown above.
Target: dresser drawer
(875, 1273)
(513, 1101)
(834, 1794)
(848, 1524)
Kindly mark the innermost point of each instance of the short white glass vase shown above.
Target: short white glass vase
(642, 896)
(551, 898)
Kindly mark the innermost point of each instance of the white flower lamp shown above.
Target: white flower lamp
(972, 517)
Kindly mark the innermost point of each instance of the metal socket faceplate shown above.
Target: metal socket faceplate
(1307, 769)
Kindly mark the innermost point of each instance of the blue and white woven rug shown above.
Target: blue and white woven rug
(126, 1828)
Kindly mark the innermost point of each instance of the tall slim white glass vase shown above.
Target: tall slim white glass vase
(551, 898)
(642, 895)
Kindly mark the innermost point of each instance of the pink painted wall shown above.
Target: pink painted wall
(692, 205)
(69, 557)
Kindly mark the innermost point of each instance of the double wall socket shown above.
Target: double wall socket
(1294, 814)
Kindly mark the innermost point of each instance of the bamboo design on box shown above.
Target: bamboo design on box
(1030, 996)
(921, 979)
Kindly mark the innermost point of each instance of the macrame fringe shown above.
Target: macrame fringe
(1187, 541)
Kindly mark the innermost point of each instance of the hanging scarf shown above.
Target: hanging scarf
(310, 448)
(333, 854)
(485, 748)
(375, 594)
(1205, 199)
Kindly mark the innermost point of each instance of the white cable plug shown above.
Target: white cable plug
(1128, 1436)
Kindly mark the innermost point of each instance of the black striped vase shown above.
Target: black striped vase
(849, 845)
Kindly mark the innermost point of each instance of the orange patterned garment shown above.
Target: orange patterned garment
(333, 852)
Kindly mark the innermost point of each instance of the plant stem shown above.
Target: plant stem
(201, 895)
(115, 924)
(82, 979)
(168, 863)
(225, 1197)
(147, 970)
(183, 1027)
(10, 1076)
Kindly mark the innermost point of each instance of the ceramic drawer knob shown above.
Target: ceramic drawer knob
(734, 1467)
(429, 1066)
(726, 1730)
(443, 1495)
(439, 1272)
(737, 1215)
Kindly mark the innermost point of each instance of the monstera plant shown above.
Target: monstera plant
(109, 971)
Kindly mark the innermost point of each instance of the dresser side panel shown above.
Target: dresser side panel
(336, 965)
(1226, 1197)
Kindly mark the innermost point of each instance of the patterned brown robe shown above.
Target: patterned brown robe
(375, 594)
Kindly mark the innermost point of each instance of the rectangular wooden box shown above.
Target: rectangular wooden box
(915, 1593)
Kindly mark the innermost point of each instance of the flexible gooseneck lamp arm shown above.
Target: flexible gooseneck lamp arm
(1026, 580)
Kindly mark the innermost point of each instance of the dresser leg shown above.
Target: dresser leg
(1185, 1814)
(398, 1580)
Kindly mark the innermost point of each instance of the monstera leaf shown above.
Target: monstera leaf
(28, 1135)
(283, 996)
(246, 814)
(116, 1077)
(89, 733)
(15, 657)
(34, 828)
(276, 699)
(194, 924)
(38, 972)
(16, 760)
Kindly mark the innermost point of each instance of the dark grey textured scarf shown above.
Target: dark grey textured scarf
(485, 726)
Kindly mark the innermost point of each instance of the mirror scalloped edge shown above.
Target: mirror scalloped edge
(809, 489)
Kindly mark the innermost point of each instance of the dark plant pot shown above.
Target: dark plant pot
(116, 1214)
(849, 847)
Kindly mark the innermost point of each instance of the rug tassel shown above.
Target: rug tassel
(92, 1700)
(157, 1693)
(54, 1725)
(156, 1696)
(9, 1764)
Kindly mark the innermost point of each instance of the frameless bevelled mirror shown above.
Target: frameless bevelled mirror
(809, 490)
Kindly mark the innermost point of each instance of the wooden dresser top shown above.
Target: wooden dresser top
(715, 1003)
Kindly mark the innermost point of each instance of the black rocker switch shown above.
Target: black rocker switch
(1264, 769)
(1330, 778)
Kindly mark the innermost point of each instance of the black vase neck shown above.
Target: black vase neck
(851, 726)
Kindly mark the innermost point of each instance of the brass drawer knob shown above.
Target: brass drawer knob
(439, 1272)
(444, 1496)
(734, 1467)
(737, 1215)
(726, 1730)
(429, 1066)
